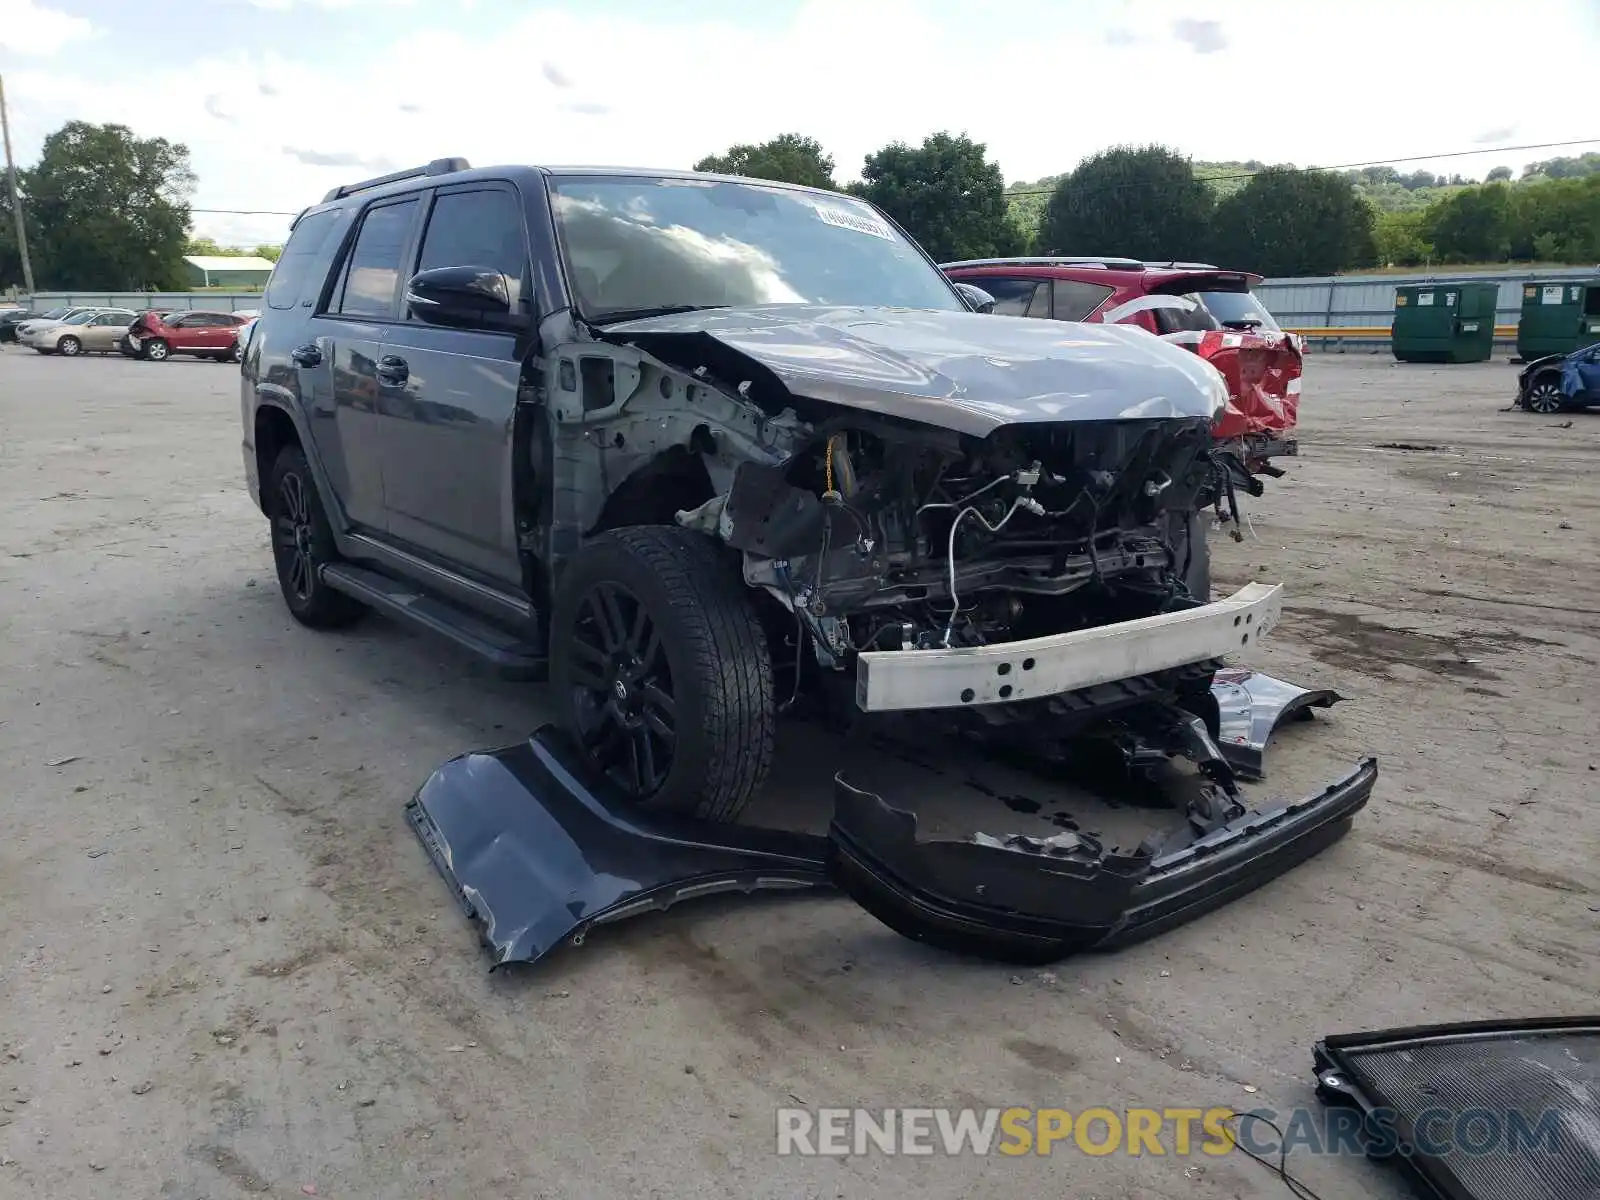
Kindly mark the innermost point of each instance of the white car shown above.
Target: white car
(241, 336)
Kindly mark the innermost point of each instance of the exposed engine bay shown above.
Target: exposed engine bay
(886, 538)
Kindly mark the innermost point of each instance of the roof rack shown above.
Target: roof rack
(439, 166)
(1113, 264)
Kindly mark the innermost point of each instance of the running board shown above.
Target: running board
(506, 654)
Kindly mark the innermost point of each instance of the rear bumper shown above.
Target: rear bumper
(904, 680)
(1021, 905)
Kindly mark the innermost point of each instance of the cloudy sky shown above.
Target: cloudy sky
(278, 100)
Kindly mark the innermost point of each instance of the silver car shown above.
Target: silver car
(94, 330)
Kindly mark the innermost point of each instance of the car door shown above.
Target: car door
(103, 332)
(448, 396)
(348, 334)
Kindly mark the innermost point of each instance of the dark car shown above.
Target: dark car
(12, 317)
(701, 447)
(1207, 309)
(1559, 381)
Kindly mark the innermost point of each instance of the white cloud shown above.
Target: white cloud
(853, 75)
(27, 27)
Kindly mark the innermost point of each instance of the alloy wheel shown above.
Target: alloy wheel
(625, 706)
(292, 536)
(1544, 398)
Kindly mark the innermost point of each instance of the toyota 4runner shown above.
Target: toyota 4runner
(703, 448)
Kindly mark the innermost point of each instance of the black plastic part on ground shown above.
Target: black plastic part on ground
(1022, 903)
(1485, 1110)
(536, 855)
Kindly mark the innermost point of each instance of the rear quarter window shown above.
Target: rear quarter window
(307, 246)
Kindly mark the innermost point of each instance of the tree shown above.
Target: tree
(268, 252)
(946, 194)
(1399, 241)
(1289, 222)
(1499, 174)
(1473, 225)
(1140, 202)
(788, 158)
(108, 210)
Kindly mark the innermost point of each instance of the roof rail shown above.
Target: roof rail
(1117, 264)
(1185, 266)
(439, 166)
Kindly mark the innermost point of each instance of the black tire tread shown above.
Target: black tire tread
(721, 640)
(327, 609)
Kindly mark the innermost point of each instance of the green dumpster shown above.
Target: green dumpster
(1558, 317)
(1444, 322)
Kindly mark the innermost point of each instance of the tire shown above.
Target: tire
(70, 347)
(302, 543)
(1544, 396)
(156, 350)
(661, 671)
(232, 356)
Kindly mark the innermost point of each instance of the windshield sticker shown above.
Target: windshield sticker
(860, 222)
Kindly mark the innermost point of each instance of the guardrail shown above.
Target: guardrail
(1341, 338)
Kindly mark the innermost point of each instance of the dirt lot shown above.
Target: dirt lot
(227, 968)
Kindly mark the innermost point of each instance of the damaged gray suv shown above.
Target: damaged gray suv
(702, 449)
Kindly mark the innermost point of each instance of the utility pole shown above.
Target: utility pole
(16, 196)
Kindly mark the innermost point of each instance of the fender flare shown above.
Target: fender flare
(269, 398)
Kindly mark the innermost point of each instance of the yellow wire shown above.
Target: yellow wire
(828, 465)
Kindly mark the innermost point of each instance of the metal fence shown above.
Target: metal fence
(1364, 304)
(205, 301)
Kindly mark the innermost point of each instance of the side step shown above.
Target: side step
(508, 656)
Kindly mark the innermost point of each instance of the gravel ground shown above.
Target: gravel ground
(227, 968)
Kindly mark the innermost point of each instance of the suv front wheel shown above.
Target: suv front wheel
(302, 542)
(662, 672)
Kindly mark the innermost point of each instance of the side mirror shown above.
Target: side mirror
(460, 296)
(976, 298)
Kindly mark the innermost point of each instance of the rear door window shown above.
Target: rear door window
(372, 276)
(1075, 300)
(1015, 297)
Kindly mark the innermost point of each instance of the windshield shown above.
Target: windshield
(1237, 308)
(55, 314)
(636, 246)
(80, 318)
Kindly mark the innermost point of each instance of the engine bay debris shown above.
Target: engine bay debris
(538, 852)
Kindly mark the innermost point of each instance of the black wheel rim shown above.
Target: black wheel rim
(1545, 398)
(291, 537)
(622, 689)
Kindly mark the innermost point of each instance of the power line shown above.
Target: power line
(1377, 162)
(244, 212)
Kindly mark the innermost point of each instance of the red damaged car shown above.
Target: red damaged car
(1210, 310)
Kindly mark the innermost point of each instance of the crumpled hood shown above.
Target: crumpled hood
(965, 371)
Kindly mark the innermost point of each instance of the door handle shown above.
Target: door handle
(309, 355)
(393, 370)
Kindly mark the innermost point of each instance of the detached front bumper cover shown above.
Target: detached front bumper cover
(538, 854)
